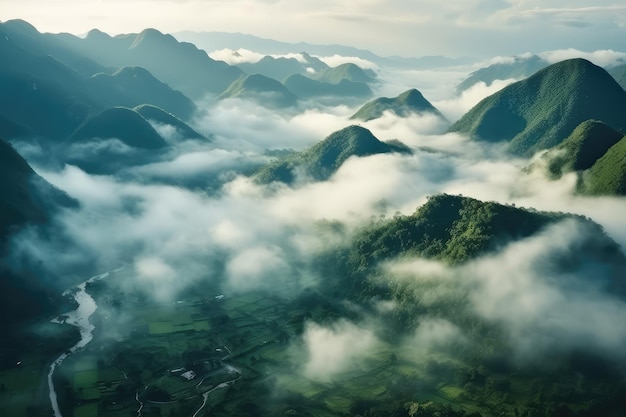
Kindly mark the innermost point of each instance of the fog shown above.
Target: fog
(193, 215)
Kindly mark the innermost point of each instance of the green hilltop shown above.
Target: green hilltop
(348, 71)
(120, 123)
(541, 111)
(281, 68)
(264, 90)
(407, 103)
(323, 159)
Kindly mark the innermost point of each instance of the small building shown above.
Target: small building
(189, 375)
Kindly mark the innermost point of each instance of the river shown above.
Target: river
(79, 318)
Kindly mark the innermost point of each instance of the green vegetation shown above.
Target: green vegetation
(608, 175)
(323, 159)
(580, 150)
(349, 72)
(541, 111)
(262, 89)
(281, 68)
(407, 103)
(120, 123)
(619, 73)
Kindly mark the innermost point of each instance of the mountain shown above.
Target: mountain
(264, 90)
(281, 68)
(518, 68)
(306, 87)
(407, 103)
(132, 86)
(541, 111)
(160, 116)
(579, 151)
(619, 73)
(119, 123)
(181, 65)
(25, 199)
(349, 71)
(323, 159)
(456, 229)
(608, 175)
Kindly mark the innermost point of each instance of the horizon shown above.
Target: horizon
(480, 28)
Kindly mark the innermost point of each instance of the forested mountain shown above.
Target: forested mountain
(322, 160)
(520, 67)
(541, 111)
(281, 68)
(306, 87)
(407, 103)
(263, 90)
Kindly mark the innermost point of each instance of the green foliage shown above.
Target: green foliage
(541, 111)
(580, 150)
(409, 102)
(349, 71)
(608, 175)
(323, 159)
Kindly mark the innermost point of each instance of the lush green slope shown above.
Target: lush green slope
(132, 86)
(323, 159)
(120, 123)
(541, 111)
(306, 87)
(579, 151)
(179, 64)
(521, 67)
(608, 175)
(156, 114)
(262, 89)
(407, 103)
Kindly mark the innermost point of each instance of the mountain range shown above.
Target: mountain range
(405, 104)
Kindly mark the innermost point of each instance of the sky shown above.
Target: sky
(415, 28)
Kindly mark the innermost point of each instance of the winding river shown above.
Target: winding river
(79, 318)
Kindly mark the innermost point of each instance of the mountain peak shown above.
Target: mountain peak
(541, 111)
(409, 102)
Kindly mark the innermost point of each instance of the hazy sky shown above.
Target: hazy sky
(387, 27)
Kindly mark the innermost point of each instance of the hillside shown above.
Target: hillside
(349, 71)
(323, 159)
(264, 90)
(608, 175)
(541, 111)
(158, 115)
(520, 67)
(580, 150)
(619, 73)
(120, 123)
(407, 103)
(132, 86)
(181, 65)
(306, 87)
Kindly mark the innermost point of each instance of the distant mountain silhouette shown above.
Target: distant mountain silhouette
(541, 111)
(156, 114)
(619, 73)
(119, 123)
(349, 71)
(132, 86)
(262, 89)
(306, 87)
(521, 67)
(281, 68)
(323, 159)
(179, 64)
(407, 103)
